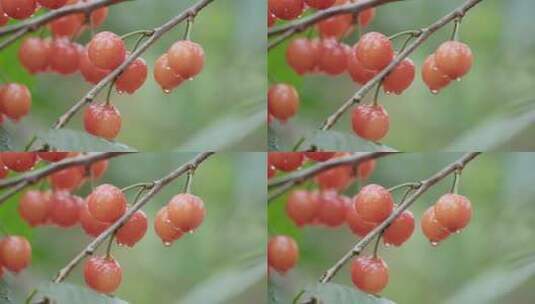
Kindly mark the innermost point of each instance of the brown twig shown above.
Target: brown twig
(287, 30)
(22, 181)
(284, 183)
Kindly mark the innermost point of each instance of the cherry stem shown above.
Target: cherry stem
(108, 248)
(376, 95)
(189, 27)
(411, 33)
(456, 179)
(108, 95)
(31, 296)
(298, 143)
(139, 32)
(376, 247)
(400, 186)
(456, 27)
(30, 143)
(189, 181)
(137, 185)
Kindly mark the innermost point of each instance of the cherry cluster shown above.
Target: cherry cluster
(372, 53)
(105, 205)
(371, 206)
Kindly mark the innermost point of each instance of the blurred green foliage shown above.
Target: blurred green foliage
(492, 108)
(232, 85)
(491, 261)
(222, 262)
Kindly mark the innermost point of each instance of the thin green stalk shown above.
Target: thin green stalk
(189, 28)
(189, 181)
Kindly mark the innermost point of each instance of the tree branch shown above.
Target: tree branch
(156, 187)
(289, 29)
(284, 183)
(22, 181)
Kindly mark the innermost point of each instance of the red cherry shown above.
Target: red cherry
(366, 16)
(15, 253)
(90, 72)
(103, 274)
(4, 171)
(89, 223)
(270, 170)
(432, 229)
(400, 230)
(102, 120)
(34, 54)
(320, 156)
(359, 226)
(107, 203)
(52, 4)
(320, 4)
(370, 122)
(19, 161)
(283, 253)
(106, 50)
(374, 50)
(369, 274)
(453, 211)
(286, 9)
(333, 57)
(133, 77)
(357, 71)
(302, 55)
(133, 230)
(67, 26)
(271, 19)
(454, 58)
(165, 76)
(365, 169)
(336, 26)
(98, 169)
(67, 179)
(15, 100)
(302, 208)
(65, 208)
(400, 78)
(4, 19)
(34, 207)
(286, 161)
(186, 58)
(337, 178)
(373, 203)
(432, 76)
(52, 156)
(165, 229)
(332, 209)
(283, 101)
(19, 9)
(64, 56)
(186, 211)
(98, 16)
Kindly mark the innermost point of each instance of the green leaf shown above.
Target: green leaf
(70, 140)
(225, 132)
(222, 287)
(5, 140)
(337, 141)
(4, 293)
(68, 293)
(339, 294)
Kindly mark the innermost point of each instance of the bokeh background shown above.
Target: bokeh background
(222, 262)
(492, 108)
(223, 108)
(491, 261)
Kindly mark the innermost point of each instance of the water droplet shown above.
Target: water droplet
(167, 244)
(434, 244)
(434, 92)
(166, 91)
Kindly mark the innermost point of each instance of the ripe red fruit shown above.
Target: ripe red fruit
(359, 226)
(369, 274)
(89, 223)
(107, 203)
(400, 230)
(433, 77)
(103, 120)
(374, 50)
(271, 19)
(34, 207)
(337, 178)
(365, 169)
(333, 56)
(165, 76)
(133, 77)
(67, 26)
(34, 54)
(357, 71)
(335, 26)
(67, 179)
(186, 58)
(52, 156)
(283, 101)
(64, 56)
(15, 100)
(15, 253)
(320, 156)
(186, 211)
(302, 208)
(286, 9)
(286, 161)
(366, 16)
(65, 208)
(103, 274)
(90, 72)
(52, 4)
(19, 161)
(4, 19)
(271, 171)
(133, 230)
(98, 17)
(302, 55)
(320, 4)
(283, 253)
(332, 209)
(454, 58)
(400, 78)
(165, 229)
(453, 211)
(370, 122)
(373, 203)
(98, 169)
(19, 9)
(432, 229)
(4, 171)
(106, 50)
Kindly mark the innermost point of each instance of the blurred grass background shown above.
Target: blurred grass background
(492, 108)
(226, 101)
(222, 262)
(491, 261)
